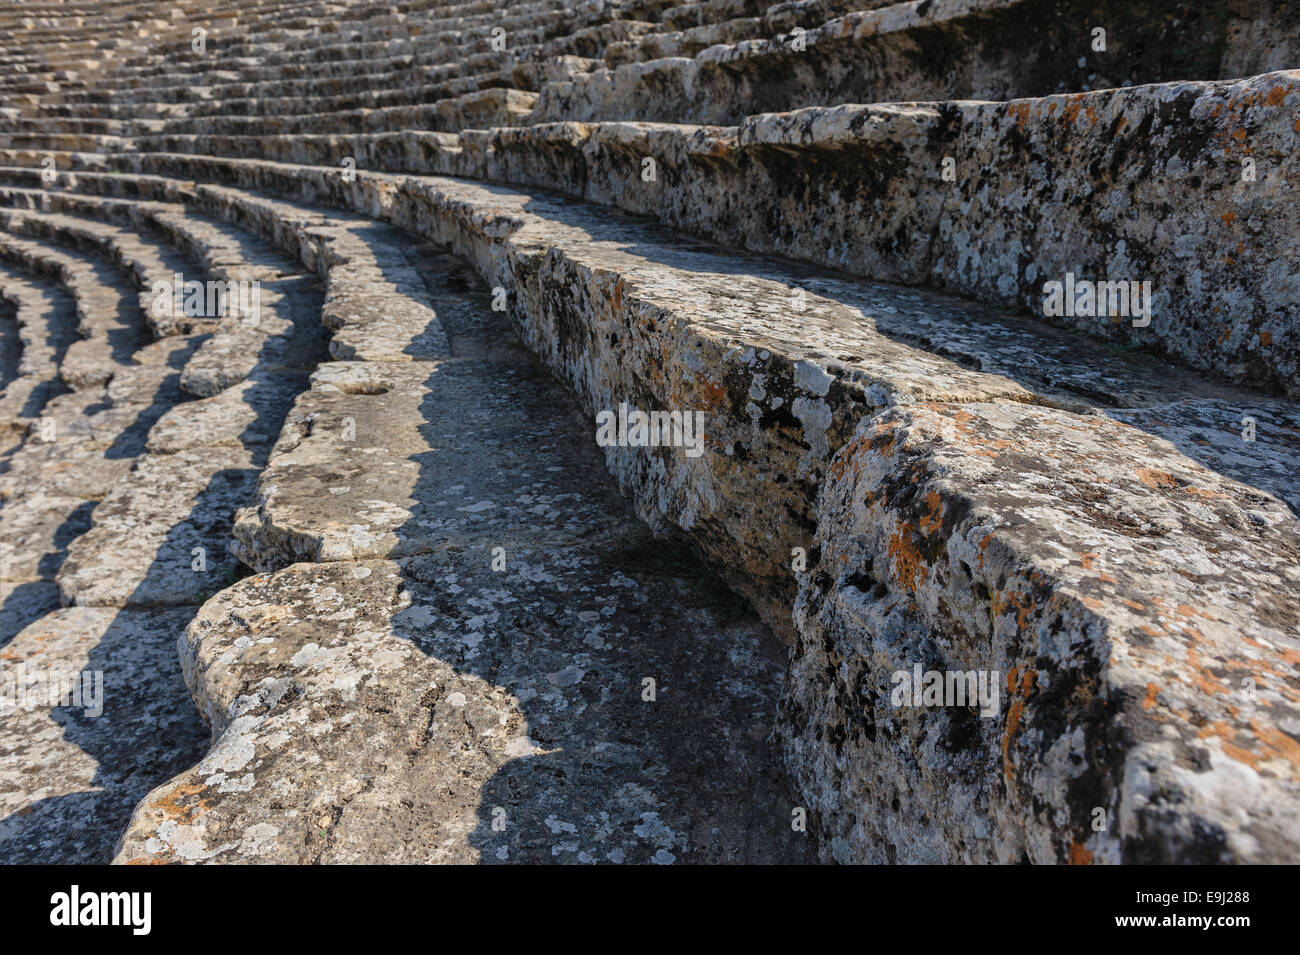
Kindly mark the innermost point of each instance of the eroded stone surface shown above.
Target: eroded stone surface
(1139, 614)
(1116, 537)
(140, 551)
(69, 777)
(390, 712)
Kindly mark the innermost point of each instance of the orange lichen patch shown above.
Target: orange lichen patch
(1228, 217)
(1071, 111)
(932, 520)
(1088, 559)
(1018, 688)
(713, 395)
(1277, 744)
(719, 148)
(1204, 679)
(1152, 692)
(1013, 600)
(1092, 603)
(1133, 605)
(1155, 479)
(1276, 95)
(169, 804)
(848, 454)
(1020, 111)
(1266, 338)
(1226, 734)
(1123, 122)
(1210, 495)
(1079, 855)
(909, 564)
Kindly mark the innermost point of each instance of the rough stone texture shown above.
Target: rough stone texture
(139, 552)
(240, 416)
(112, 512)
(1122, 600)
(861, 188)
(69, 779)
(387, 711)
(381, 712)
(891, 477)
(928, 49)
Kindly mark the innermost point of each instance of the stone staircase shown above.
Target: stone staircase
(360, 535)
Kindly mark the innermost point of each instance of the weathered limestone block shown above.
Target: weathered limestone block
(380, 711)
(35, 530)
(862, 188)
(572, 284)
(69, 779)
(1137, 610)
(282, 332)
(141, 550)
(930, 50)
(245, 415)
(380, 314)
(344, 480)
(88, 447)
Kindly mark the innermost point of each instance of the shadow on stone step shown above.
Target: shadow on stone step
(649, 690)
(149, 730)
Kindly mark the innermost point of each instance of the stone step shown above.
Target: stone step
(931, 50)
(147, 263)
(129, 564)
(107, 315)
(558, 31)
(493, 454)
(68, 783)
(1178, 432)
(1049, 365)
(1117, 587)
(1219, 290)
(404, 85)
(484, 108)
(1094, 519)
(238, 342)
(45, 324)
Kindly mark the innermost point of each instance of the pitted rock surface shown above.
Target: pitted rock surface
(91, 501)
(415, 610)
(68, 778)
(1129, 594)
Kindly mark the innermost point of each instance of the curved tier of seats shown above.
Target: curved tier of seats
(428, 627)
